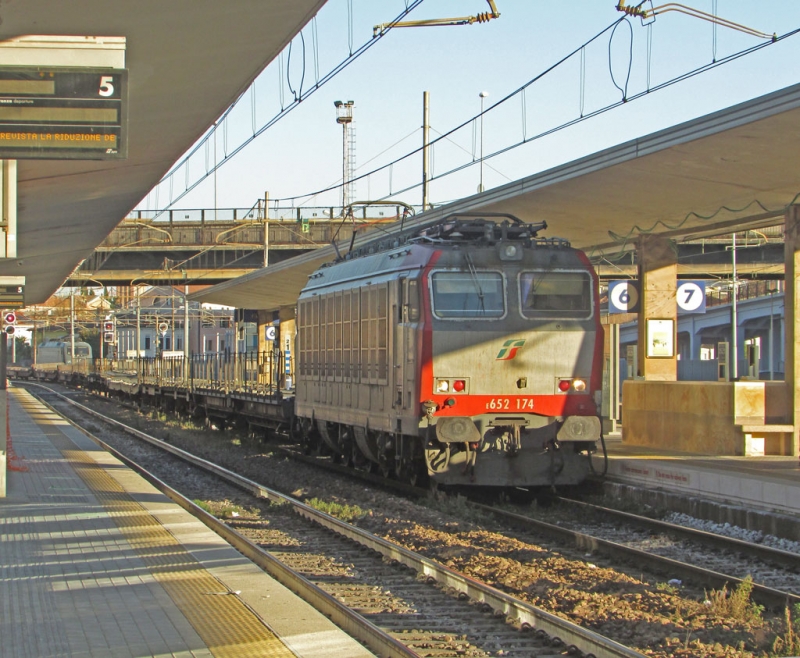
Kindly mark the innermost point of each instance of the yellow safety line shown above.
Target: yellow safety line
(226, 625)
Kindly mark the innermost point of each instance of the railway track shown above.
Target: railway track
(691, 555)
(704, 559)
(394, 600)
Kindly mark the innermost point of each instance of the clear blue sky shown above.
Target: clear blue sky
(302, 153)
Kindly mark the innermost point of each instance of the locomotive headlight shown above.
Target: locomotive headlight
(579, 385)
(509, 251)
(442, 386)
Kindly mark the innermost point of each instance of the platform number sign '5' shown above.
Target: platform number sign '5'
(623, 297)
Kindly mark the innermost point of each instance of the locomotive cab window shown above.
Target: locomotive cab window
(547, 294)
(468, 295)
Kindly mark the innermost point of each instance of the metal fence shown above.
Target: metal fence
(252, 372)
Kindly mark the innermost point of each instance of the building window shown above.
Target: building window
(147, 342)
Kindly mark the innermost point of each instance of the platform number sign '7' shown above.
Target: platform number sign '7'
(691, 296)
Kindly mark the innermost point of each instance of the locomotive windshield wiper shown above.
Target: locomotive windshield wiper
(474, 274)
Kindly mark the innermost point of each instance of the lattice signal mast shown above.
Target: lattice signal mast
(344, 116)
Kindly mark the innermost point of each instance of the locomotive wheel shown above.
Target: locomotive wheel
(386, 470)
(360, 462)
(411, 472)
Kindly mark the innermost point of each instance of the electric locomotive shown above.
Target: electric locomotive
(469, 351)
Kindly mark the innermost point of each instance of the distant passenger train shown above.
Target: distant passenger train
(56, 352)
(470, 350)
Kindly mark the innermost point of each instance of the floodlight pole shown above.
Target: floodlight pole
(425, 148)
(482, 95)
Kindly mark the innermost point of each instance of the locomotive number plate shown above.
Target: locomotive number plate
(510, 404)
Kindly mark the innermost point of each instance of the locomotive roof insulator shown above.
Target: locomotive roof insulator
(486, 229)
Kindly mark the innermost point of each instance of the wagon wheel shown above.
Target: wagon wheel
(309, 438)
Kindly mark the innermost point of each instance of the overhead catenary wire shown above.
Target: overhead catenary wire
(470, 120)
(624, 89)
(526, 140)
(338, 68)
(625, 240)
(457, 145)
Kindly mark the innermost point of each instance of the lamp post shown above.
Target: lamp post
(734, 315)
(482, 95)
(72, 325)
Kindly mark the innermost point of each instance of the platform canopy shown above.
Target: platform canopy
(676, 181)
(187, 60)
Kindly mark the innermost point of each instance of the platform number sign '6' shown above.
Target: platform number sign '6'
(623, 297)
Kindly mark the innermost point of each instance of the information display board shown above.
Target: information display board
(63, 113)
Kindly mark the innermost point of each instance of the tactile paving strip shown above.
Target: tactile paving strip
(227, 626)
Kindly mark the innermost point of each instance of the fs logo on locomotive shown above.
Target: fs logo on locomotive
(509, 350)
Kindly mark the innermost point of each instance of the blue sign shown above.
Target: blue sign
(623, 297)
(691, 296)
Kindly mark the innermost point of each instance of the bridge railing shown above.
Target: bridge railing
(278, 213)
(250, 234)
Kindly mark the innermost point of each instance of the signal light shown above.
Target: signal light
(10, 329)
(10, 318)
(108, 325)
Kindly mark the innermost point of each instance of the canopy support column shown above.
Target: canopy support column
(658, 310)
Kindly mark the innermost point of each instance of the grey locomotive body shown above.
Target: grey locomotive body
(470, 352)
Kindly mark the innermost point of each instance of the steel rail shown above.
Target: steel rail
(353, 623)
(593, 645)
(777, 556)
(773, 598)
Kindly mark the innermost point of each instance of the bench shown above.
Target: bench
(762, 439)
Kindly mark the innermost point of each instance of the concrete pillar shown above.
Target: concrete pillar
(288, 330)
(264, 319)
(658, 309)
(790, 306)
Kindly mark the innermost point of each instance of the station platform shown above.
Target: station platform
(94, 561)
(758, 493)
